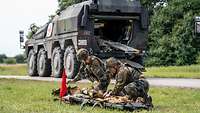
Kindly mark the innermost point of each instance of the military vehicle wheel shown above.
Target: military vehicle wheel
(57, 62)
(32, 63)
(70, 62)
(43, 64)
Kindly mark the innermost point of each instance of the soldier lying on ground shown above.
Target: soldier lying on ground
(92, 68)
(129, 81)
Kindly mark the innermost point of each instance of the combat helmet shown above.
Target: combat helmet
(82, 54)
(111, 62)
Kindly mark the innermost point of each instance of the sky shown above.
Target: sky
(18, 15)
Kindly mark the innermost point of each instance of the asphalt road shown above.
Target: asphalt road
(158, 82)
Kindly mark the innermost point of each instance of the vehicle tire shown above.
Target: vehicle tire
(32, 63)
(71, 64)
(57, 62)
(43, 64)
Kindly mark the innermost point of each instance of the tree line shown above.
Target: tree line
(12, 60)
(171, 33)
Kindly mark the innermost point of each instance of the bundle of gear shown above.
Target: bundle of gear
(90, 97)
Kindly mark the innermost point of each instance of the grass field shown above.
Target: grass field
(192, 71)
(15, 69)
(18, 96)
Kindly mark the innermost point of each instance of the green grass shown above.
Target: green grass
(15, 69)
(18, 96)
(192, 71)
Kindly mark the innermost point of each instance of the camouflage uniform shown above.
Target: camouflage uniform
(94, 71)
(128, 82)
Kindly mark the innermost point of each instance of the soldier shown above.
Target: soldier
(129, 81)
(93, 69)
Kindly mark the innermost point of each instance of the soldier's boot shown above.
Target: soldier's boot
(147, 98)
(148, 101)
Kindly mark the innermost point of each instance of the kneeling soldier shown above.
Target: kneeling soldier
(92, 68)
(128, 81)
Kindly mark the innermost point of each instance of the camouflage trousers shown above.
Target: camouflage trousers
(138, 88)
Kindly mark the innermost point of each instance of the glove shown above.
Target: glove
(107, 94)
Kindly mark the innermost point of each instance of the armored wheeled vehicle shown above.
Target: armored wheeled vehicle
(107, 28)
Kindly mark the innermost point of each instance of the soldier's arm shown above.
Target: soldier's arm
(136, 73)
(80, 73)
(120, 82)
(97, 68)
(100, 72)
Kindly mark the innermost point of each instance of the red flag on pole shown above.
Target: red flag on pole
(63, 89)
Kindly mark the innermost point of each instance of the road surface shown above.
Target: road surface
(158, 82)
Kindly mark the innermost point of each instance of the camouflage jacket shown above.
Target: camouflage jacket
(125, 76)
(95, 71)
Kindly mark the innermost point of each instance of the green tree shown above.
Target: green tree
(153, 4)
(64, 3)
(2, 57)
(20, 58)
(171, 39)
(32, 30)
(10, 60)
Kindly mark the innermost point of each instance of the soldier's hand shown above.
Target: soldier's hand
(107, 94)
